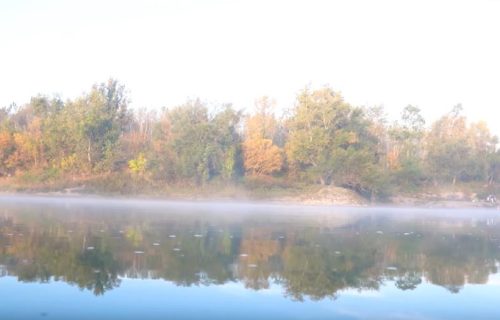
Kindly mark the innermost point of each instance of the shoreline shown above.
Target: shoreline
(285, 201)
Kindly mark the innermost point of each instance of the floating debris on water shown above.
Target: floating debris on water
(252, 265)
(282, 237)
(243, 255)
(172, 236)
(121, 231)
(156, 244)
(90, 248)
(337, 252)
(197, 235)
(138, 252)
(391, 268)
(380, 232)
(176, 249)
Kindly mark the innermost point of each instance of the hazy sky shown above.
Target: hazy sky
(433, 54)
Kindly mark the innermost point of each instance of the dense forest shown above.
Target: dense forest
(321, 140)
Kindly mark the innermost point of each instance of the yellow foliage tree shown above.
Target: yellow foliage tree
(261, 157)
(26, 154)
(138, 165)
(7, 147)
(28, 149)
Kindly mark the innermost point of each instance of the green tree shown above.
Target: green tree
(200, 146)
(457, 151)
(447, 146)
(407, 152)
(104, 118)
(330, 140)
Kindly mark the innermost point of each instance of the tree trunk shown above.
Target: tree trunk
(89, 157)
(322, 181)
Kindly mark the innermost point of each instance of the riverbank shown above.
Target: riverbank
(313, 195)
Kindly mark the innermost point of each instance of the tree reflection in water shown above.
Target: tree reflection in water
(312, 257)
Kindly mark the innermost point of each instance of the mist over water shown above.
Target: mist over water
(121, 258)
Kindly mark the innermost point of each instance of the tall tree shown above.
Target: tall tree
(7, 148)
(494, 168)
(406, 153)
(226, 123)
(457, 150)
(447, 146)
(261, 155)
(105, 118)
(200, 145)
(330, 140)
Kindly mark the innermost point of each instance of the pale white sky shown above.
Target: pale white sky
(433, 54)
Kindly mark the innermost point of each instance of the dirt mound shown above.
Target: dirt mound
(330, 196)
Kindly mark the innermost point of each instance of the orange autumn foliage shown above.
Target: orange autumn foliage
(261, 157)
(7, 147)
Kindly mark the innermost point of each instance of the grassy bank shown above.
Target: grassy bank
(133, 185)
(258, 189)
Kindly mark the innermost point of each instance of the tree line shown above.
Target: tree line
(322, 139)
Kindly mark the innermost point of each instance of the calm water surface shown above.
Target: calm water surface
(109, 259)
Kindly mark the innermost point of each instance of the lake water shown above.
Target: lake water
(120, 259)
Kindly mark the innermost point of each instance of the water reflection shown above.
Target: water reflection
(314, 256)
